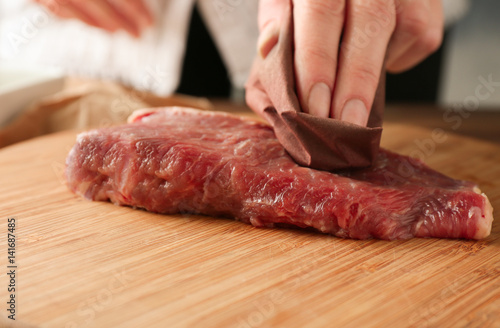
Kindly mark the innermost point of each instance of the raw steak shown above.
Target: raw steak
(176, 160)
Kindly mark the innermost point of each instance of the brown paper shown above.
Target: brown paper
(321, 143)
(85, 104)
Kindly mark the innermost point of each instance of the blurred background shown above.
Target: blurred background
(471, 51)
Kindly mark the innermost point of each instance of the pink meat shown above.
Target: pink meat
(178, 160)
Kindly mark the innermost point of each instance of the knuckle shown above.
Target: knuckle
(382, 11)
(366, 74)
(414, 22)
(431, 40)
(329, 8)
(317, 55)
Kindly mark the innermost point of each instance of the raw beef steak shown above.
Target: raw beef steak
(178, 160)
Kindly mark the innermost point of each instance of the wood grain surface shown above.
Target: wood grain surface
(93, 264)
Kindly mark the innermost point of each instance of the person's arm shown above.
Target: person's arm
(340, 47)
(111, 15)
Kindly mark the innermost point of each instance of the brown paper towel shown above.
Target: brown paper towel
(321, 143)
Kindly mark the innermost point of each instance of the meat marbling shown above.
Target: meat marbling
(178, 160)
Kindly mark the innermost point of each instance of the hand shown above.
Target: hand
(337, 78)
(111, 15)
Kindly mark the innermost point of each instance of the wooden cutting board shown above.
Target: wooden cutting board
(92, 264)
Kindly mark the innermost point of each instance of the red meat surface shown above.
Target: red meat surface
(178, 160)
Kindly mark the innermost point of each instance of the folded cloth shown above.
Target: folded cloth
(321, 143)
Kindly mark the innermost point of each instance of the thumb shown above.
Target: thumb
(269, 19)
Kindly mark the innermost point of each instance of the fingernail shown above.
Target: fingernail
(319, 100)
(355, 111)
(268, 38)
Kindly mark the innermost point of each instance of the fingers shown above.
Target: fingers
(317, 30)
(68, 11)
(111, 15)
(102, 13)
(134, 12)
(369, 26)
(342, 84)
(419, 32)
(107, 16)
